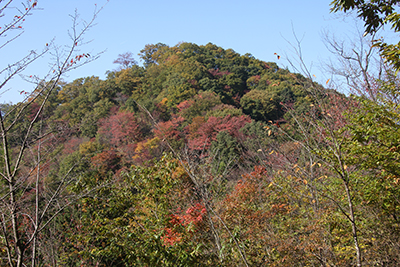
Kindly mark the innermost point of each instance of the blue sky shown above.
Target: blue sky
(260, 28)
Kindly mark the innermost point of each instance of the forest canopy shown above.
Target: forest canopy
(204, 157)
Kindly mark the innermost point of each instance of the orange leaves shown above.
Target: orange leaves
(191, 220)
(276, 84)
(278, 56)
(171, 237)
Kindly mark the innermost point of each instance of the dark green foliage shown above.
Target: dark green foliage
(262, 105)
(226, 152)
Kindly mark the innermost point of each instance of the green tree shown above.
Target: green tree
(138, 221)
(262, 105)
(375, 14)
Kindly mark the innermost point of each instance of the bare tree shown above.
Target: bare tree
(357, 62)
(320, 132)
(29, 202)
(125, 60)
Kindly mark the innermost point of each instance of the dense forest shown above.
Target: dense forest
(201, 156)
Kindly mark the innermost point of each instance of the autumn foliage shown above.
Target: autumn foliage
(205, 157)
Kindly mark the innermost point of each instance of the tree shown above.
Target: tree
(375, 14)
(149, 217)
(262, 105)
(125, 60)
(29, 200)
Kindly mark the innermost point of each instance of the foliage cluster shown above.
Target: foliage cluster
(204, 157)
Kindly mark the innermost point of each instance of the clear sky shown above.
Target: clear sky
(258, 27)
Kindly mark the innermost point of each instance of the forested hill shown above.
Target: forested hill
(173, 82)
(201, 157)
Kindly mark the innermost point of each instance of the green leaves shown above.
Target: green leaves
(376, 14)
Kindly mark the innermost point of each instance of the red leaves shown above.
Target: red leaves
(194, 215)
(120, 129)
(218, 74)
(192, 218)
(208, 131)
(107, 160)
(185, 104)
(77, 58)
(169, 130)
(171, 237)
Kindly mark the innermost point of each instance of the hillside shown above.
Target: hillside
(205, 157)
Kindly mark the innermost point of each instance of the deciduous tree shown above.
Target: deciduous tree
(28, 202)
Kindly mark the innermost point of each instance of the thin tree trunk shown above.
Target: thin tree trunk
(353, 224)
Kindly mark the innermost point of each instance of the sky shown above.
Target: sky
(259, 27)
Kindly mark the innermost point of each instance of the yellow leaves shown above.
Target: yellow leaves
(313, 164)
(269, 132)
(327, 81)
(147, 144)
(316, 163)
(164, 101)
(178, 172)
(88, 148)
